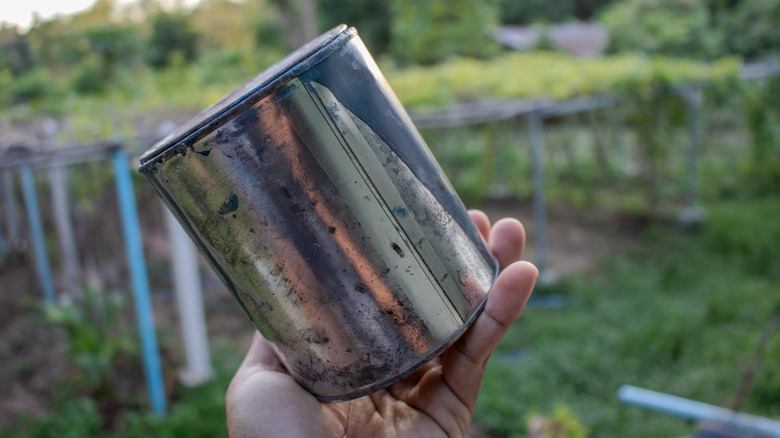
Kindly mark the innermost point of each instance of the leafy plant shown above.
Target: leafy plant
(750, 26)
(101, 347)
(563, 423)
(662, 27)
(171, 39)
(428, 31)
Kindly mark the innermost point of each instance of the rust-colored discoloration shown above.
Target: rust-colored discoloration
(352, 263)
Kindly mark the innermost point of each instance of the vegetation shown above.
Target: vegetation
(694, 28)
(549, 74)
(680, 312)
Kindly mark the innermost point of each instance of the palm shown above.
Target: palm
(437, 400)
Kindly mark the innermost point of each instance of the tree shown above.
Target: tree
(370, 17)
(664, 27)
(298, 19)
(428, 31)
(751, 28)
(171, 38)
(14, 51)
(544, 11)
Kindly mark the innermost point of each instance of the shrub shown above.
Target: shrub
(662, 27)
(428, 31)
(36, 85)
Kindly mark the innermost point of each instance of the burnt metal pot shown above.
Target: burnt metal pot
(314, 198)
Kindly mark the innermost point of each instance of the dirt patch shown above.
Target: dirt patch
(576, 241)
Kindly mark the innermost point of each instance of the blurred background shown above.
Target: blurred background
(638, 140)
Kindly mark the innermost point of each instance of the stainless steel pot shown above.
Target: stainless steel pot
(316, 201)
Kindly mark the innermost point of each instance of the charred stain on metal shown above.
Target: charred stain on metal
(317, 254)
(230, 205)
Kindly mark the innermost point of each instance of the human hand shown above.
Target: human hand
(439, 399)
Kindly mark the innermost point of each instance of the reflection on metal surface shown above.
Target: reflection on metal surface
(326, 216)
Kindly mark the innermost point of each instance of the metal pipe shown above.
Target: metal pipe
(189, 303)
(693, 102)
(697, 411)
(36, 229)
(58, 179)
(535, 125)
(691, 214)
(3, 251)
(137, 265)
(9, 208)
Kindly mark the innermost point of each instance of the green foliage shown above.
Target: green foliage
(662, 27)
(563, 423)
(369, 17)
(750, 27)
(98, 341)
(198, 412)
(679, 314)
(761, 104)
(171, 41)
(90, 77)
(77, 418)
(35, 86)
(15, 52)
(115, 47)
(733, 234)
(542, 11)
(428, 31)
(555, 75)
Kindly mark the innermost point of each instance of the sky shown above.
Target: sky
(20, 12)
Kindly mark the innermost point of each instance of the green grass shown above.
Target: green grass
(681, 315)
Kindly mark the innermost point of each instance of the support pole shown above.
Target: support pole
(535, 125)
(69, 257)
(137, 265)
(3, 250)
(9, 209)
(691, 214)
(697, 411)
(36, 229)
(189, 302)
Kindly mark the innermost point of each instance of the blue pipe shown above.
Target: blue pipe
(36, 228)
(135, 259)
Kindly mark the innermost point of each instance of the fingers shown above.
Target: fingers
(464, 363)
(481, 221)
(506, 241)
(260, 356)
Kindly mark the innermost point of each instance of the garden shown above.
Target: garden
(647, 176)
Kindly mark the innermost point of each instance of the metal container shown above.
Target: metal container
(316, 201)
